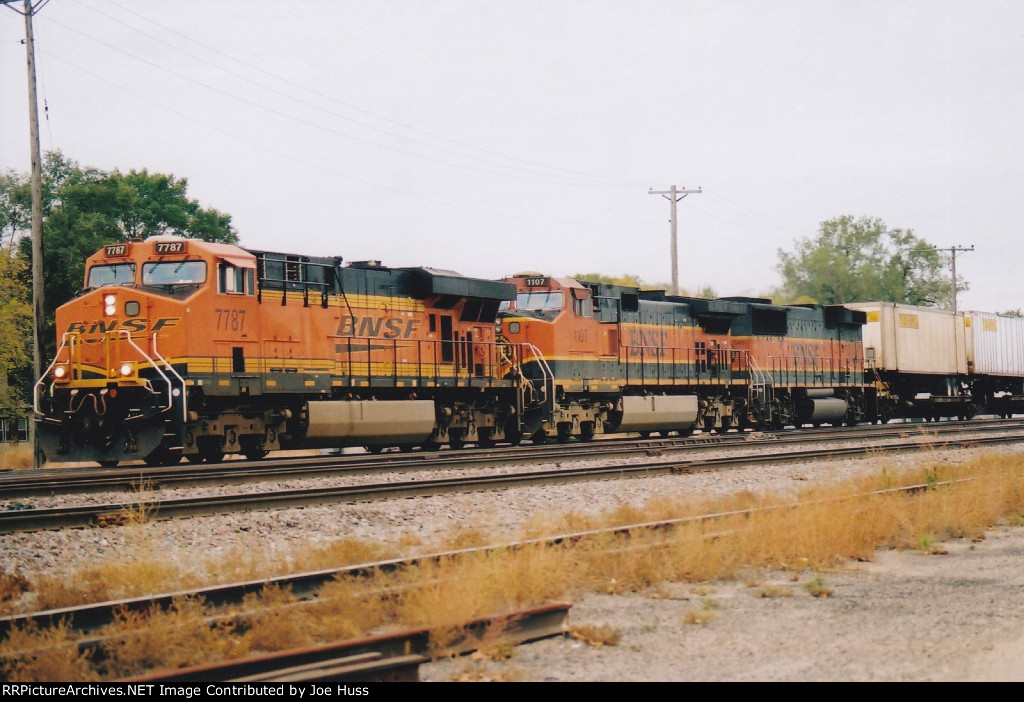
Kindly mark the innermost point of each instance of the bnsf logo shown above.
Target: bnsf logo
(134, 326)
(383, 327)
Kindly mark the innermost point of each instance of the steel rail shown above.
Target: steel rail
(48, 482)
(116, 514)
(384, 658)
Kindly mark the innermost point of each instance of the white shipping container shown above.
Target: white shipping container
(913, 339)
(998, 343)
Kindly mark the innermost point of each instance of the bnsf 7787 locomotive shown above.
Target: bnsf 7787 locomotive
(185, 348)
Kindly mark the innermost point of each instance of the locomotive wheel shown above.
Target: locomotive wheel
(252, 448)
(429, 445)
(513, 434)
(456, 439)
(162, 456)
(212, 455)
(194, 458)
(645, 434)
(564, 433)
(485, 440)
(539, 437)
(374, 449)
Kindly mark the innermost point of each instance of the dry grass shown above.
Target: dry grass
(596, 634)
(31, 654)
(826, 527)
(16, 456)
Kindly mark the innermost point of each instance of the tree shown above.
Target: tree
(15, 334)
(86, 208)
(857, 260)
(634, 281)
(83, 209)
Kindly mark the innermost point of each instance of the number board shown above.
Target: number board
(115, 250)
(536, 282)
(170, 247)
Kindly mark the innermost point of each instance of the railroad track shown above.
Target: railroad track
(150, 509)
(393, 657)
(87, 618)
(66, 481)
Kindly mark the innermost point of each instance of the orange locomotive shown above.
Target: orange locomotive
(179, 347)
(608, 358)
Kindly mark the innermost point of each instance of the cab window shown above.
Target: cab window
(581, 306)
(112, 274)
(174, 273)
(540, 300)
(232, 280)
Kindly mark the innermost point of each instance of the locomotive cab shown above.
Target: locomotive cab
(117, 387)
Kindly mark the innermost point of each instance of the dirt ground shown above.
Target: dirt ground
(906, 616)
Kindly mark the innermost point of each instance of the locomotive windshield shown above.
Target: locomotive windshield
(111, 274)
(539, 301)
(174, 273)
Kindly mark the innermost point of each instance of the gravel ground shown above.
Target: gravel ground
(905, 616)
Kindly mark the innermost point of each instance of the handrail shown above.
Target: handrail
(35, 388)
(184, 392)
(170, 399)
(545, 370)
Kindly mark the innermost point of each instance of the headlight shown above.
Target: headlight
(127, 369)
(60, 372)
(110, 305)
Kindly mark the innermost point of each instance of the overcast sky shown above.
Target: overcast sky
(492, 137)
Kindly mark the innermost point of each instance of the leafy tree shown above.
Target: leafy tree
(634, 281)
(1013, 313)
(856, 260)
(85, 208)
(15, 334)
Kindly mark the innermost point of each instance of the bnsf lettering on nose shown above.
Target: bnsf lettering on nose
(382, 327)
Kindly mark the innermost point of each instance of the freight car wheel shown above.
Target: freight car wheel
(539, 437)
(108, 464)
(587, 431)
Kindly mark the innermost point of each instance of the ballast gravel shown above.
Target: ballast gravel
(903, 616)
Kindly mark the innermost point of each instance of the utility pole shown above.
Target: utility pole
(38, 318)
(953, 251)
(674, 195)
